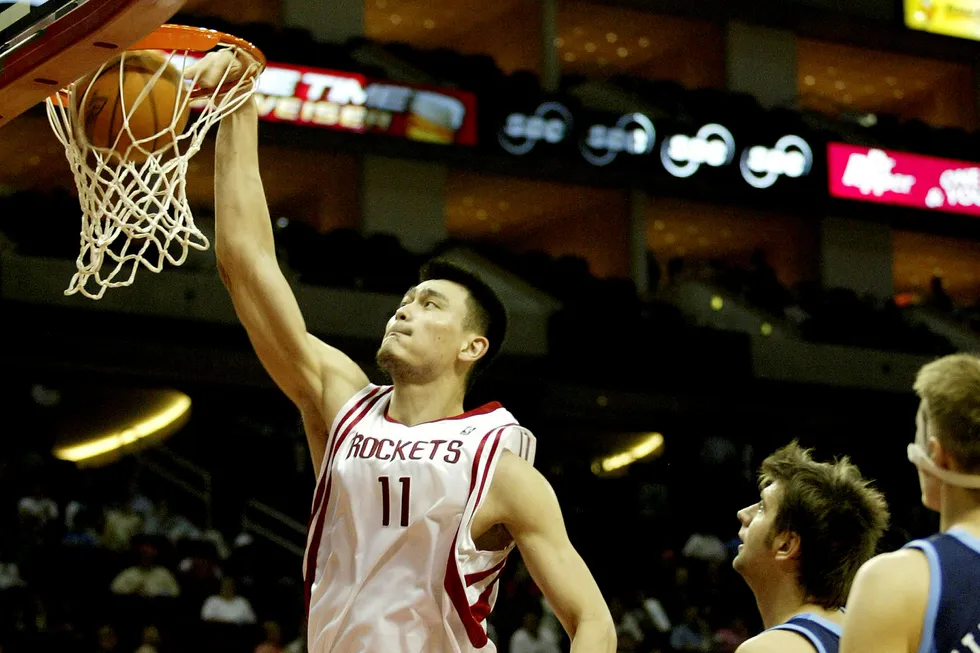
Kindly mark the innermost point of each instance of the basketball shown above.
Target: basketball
(107, 100)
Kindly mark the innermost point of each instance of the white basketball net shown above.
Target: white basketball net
(135, 211)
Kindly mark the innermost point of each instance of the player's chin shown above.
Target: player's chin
(389, 357)
(738, 562)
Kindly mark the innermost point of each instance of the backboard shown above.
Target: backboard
(47, 44)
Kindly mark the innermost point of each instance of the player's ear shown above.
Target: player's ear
(938, 454)
(474, 348)
(787, 546)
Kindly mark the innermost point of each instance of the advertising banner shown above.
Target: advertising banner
(317, 97)
(901, 179)
(959, 18)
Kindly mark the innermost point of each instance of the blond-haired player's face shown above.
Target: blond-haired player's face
(757, 522)
(426, 336)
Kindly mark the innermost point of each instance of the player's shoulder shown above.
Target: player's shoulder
(488, 419)
(776, 641)
(899, 569)
(895, 583)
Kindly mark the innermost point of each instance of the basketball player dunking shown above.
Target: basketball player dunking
(814, 525)
(417, 502)
(923, 597)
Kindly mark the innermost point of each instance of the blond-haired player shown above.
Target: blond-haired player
(418, 503)
(814, 525)
(924, 597)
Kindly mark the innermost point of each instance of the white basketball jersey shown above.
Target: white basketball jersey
(390, 563)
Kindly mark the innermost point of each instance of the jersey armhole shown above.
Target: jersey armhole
(520, 442)
(927, 641)
(344, 416)
(805, 634)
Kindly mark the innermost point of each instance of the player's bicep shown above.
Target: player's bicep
(532, 515)
(886, 606)
(297, 361)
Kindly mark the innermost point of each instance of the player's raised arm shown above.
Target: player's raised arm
(316, 377)
(526, 505)
(887, 604)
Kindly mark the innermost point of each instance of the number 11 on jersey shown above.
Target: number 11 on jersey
(406, 483)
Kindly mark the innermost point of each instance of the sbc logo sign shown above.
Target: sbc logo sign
(684, 155)
(633, 133)
(762, 166)
(551, 123)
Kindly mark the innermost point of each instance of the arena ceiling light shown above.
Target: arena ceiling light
(646, 447)
(147, 418)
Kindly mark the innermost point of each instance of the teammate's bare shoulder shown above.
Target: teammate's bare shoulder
(887, 603)
(776, 641)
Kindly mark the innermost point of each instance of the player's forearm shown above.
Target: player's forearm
(594, 636)
(242, 222)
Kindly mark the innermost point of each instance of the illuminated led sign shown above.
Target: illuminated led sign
(350, 102)
(632, 134)
(901, 179)
(762, 166)
(550, 123)
(683, 155)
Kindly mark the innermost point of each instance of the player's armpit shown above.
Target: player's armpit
(526, 505)
(887, 604)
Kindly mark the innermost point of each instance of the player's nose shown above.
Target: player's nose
(745, 515)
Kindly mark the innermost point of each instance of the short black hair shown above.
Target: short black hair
(487, 314)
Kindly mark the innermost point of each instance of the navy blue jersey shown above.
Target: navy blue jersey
(823, 634)
(953, 611)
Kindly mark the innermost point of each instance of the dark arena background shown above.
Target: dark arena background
(718, 226)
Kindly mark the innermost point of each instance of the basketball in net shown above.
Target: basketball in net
(129, 130)
(132, 103)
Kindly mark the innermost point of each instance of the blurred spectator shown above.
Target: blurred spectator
(298, 645)
(704, 547)
(273, 639)
(108, 639)
(36, 507)
(84, 527)
(10, 576)
(730, 637)
(172, 526)
(147, 579)
(122, 522)
(149, 640)
(529, 638)
(938, 297)
(138, 501)
(692, 634)
(228, 607)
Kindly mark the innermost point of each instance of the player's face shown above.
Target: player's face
(927, 484)
(426, 335)
(757, 521)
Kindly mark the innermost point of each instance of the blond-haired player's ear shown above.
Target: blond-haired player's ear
(788, 546)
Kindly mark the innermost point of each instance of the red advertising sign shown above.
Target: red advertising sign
(897, 178)
(331, 99)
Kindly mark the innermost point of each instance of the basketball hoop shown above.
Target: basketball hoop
(133, 199)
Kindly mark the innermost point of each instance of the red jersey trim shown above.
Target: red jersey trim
(482, 410)
(480, 575)
(331, 436)
(323, 497)
(453, 583)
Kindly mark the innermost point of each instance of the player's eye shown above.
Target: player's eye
(429, 303)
